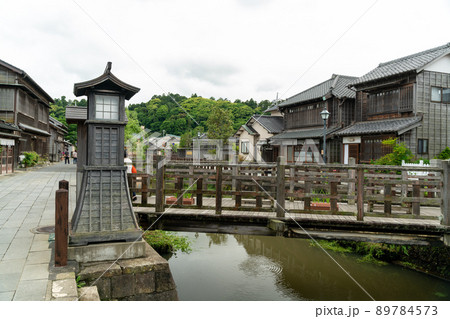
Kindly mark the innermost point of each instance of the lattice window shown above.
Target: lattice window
(106, 145)
(106, 107)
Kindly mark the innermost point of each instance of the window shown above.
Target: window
(7, 99)
(446, 95)
(244, 147)
(422, 146)
(106, 107)
(440, 94)
(7, 77)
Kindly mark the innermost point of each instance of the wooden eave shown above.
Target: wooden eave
(29, 84)
(312, 101)
(106, 81)
(391, 81)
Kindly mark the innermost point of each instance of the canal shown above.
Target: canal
(248, 267)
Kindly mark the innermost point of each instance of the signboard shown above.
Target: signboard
(352, 140)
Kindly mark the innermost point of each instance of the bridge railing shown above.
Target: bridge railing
(291, 188)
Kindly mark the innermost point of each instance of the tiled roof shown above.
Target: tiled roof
(414, 62)
(273, 124)
(337, 85)
(28, 78)
(33, 129)
(399, 125)
(272, 108)
(8, 126)
(57, 123)
(304, 133)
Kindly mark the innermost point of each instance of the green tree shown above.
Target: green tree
(58, 111)
(186, 140)
(132, 126)
(219, 125)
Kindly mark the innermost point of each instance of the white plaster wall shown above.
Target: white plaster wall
(442, 65)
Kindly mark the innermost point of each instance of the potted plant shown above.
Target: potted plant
(320, 203)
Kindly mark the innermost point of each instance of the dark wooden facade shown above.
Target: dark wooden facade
(26, 105)
(303, 122)
(406, 98)
(409, 97)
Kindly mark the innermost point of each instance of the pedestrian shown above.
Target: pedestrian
(74, 156)
(130, 170)
(66, 157)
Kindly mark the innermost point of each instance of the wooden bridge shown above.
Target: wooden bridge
(361, 202)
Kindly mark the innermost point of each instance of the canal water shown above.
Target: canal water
(247, 267)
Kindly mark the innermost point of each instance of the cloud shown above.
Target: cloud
(215, 73)
(267, 86)
(253, 3)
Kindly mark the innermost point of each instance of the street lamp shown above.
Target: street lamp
(325, 114)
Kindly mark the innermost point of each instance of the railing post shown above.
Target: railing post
(238, 197)
(191, 174)
(351, 185)
(179, 187)
(416, 196)
(388, 199)
(307, 200)
(333, 198)
(259, 198)
(234, 173)
(281, 186)
(144, 197)
(218, 189)
(360, 194)
(160, 197)
(61, 225)
(445, 194)
(291, 182)
(63, 184)
(199, 192)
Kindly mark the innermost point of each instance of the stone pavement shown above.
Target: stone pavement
(27, 201)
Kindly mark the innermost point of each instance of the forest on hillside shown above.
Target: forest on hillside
(175, 114)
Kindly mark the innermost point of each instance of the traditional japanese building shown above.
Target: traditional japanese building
(24, 105)
(406, 98)
(303, 123)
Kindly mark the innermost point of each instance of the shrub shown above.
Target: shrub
(166, 242)
(31, 159)
(399, 152)
(445, 154)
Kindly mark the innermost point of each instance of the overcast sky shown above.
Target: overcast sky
(235, 49)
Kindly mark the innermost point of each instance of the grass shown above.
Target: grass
(167, 242)
(332, 245)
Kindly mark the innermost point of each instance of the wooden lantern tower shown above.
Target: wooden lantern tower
(104, 212)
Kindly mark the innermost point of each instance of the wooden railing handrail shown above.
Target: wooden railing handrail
(360, 184)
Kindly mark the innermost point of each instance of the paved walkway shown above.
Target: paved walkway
(27, 201)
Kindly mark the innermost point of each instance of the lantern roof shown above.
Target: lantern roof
(107, 82)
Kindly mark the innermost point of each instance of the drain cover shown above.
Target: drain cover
(44, 230)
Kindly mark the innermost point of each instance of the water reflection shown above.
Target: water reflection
(245, 267)
(217, 239)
